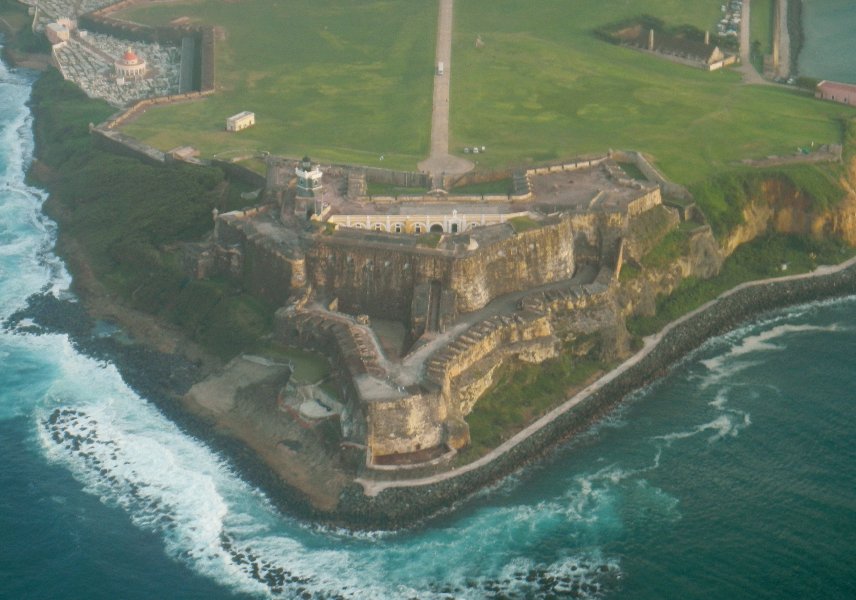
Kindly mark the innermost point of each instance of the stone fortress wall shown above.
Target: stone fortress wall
(408, 499)
(471, 301)
(471, 304)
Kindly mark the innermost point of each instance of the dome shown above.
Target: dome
(130, 56)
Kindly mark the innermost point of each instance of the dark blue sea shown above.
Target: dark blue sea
(829, 50)
(732, 477)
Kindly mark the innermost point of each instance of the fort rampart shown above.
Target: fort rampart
(376, 274)
(401, 502)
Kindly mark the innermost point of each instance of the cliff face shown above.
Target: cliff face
(779, 207)
(638, 296)
(782, 208)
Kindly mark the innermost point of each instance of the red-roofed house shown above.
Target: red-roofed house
(845, 93)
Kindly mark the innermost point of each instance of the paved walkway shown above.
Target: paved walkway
(750, 75)
(440, 161)
(783, 69)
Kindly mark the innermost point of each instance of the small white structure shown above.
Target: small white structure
(56, 33)
(308, 178)
(441, 68)
(130, 66)
(241, 121)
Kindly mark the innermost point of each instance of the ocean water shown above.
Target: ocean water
(829, 49)
(732, 477)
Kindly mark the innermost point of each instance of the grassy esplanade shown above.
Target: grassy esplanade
(345, 82)
(349, 82)
(542, 87)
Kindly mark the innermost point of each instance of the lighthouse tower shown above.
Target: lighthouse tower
(308, 179)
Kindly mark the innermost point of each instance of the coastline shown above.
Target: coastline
(163, 378)
(163, 372)
(426, 497)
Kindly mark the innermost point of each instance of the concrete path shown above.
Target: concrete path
(750, 75)
(783, 69)
(440, 161)
(373, 487)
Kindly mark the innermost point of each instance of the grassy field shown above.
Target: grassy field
(341, 83)
(351, 83)
(543, 87)
(522, 394)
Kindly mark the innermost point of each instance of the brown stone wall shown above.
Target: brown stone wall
(519, 262)
(373, 279)
(405, 425)
(379, 279)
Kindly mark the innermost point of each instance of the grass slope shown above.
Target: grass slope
(340, 82)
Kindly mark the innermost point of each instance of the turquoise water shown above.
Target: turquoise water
(733, 477)
(829, 50)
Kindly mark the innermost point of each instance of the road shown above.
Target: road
(440, 161)
(750, 75)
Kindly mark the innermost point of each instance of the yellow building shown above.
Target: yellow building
(241, 121)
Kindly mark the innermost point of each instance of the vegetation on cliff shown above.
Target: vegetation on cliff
(523, 393)
(125, 220)
(15, 24)
(774, 255)
(724, 197)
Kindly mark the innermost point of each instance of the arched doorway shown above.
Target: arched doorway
(436, 228)
(454, 228)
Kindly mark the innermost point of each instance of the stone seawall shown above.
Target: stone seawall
(401, 503)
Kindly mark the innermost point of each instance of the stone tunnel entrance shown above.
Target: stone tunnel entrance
(436, 228)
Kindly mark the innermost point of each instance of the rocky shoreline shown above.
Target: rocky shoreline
(399, 506)
(163, 378)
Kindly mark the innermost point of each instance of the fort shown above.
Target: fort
(421, 289)
(419, 301)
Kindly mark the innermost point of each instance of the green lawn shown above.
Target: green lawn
(341, 82)
(349, 83)
(543, 87)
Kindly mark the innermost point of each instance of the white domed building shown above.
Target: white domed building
(130, 66)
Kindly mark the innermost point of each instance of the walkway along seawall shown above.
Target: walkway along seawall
(392, 504)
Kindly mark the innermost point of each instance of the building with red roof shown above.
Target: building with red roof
(845, 93)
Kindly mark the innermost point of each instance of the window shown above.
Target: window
(378, 227)
(397, 228)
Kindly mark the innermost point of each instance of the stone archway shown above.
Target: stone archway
(436, 228)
